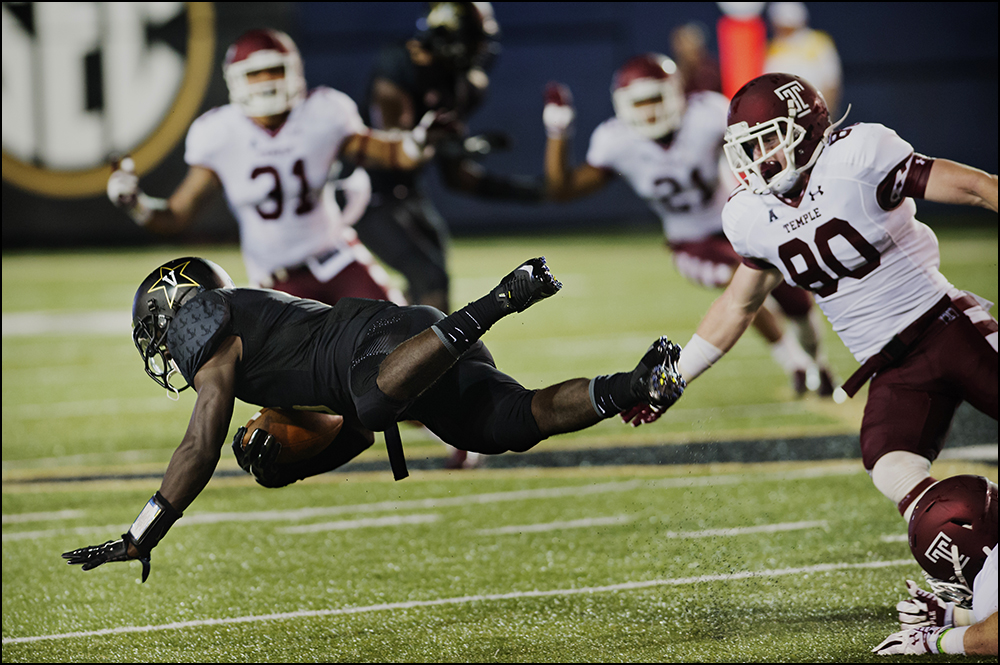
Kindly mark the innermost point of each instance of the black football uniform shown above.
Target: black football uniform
(401, 226)
(300, 353)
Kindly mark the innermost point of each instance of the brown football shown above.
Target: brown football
(302, 434)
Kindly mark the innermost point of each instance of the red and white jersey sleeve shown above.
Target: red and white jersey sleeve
(984, 588)
(273, 180)
(872, 271)
(685, 183)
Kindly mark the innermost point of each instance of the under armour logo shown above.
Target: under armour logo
(792, 93)
(772, 216)
(941, 549)
(817, 192)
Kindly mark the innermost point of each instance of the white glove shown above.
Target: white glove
(924, 609)
(124, 192)
(911, 642)
(416, 142)
(558, 113)
(123, 185)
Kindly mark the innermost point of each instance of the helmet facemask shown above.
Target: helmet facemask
(753, 154)
(150, 338)
(272, 96)
(652, 107)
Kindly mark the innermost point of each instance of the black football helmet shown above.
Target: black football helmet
(156, 303)
(460, 35)
(951, 532)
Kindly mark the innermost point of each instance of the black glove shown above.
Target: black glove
(259, 457)
(96, 555)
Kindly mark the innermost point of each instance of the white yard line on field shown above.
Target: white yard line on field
(43, 517)
(585, 523)
(343, 525)
(462, 600)
(474, 499)
(109, 322)
(744, 530)
(624, 519)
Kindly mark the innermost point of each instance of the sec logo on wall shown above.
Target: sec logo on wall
(84, 82)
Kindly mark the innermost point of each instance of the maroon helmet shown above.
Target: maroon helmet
(648, 95)
(952, 530)
(258, 50)
(775, 113)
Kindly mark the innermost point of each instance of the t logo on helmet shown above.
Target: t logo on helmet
(792, 93)
(941, 548)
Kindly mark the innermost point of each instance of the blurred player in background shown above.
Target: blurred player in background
(443, 68)
(699, 69)
(953, 535)
(798, 49)
(833, 212)
(271, 150)
(372, 362)
(668, 146)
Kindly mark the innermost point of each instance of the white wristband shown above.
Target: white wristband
(953, 641)
(697, 356)
(144, 208)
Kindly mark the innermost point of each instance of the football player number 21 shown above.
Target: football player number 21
(277, 196)
(813, 277)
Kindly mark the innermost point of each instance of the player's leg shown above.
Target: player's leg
(406, 350)
(407, 237)
(476, 407)
(797, 306)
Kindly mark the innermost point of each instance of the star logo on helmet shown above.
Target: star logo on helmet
(172, 278)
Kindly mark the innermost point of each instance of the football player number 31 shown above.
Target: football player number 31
(814, 278)
(276, 196)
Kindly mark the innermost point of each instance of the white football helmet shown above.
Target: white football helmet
(258, 50)
(648, 95)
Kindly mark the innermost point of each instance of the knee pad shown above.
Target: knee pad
(514, 428)
(896, 474)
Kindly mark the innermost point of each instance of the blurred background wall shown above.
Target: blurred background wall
(927, 70)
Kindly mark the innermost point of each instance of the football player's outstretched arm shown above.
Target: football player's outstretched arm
(951, 182)
(194, 461)
(981, 638)
(727, 319)
(562, 181)
(161, 215)
(189, 470)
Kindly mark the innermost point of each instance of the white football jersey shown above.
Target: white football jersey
(686, 183)
(872, 271)
(273, 180)
(984, 588)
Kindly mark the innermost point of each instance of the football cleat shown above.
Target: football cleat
(527, 284)
(827, 384)
(656, 380)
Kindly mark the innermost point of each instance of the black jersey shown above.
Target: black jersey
(296, 352)
(430, 88)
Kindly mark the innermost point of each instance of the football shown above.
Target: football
(302, 434)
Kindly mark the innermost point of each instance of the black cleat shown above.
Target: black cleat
(656, 380)
(527, 284)
(827, 383)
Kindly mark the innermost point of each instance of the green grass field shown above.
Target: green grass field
(707, 563)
